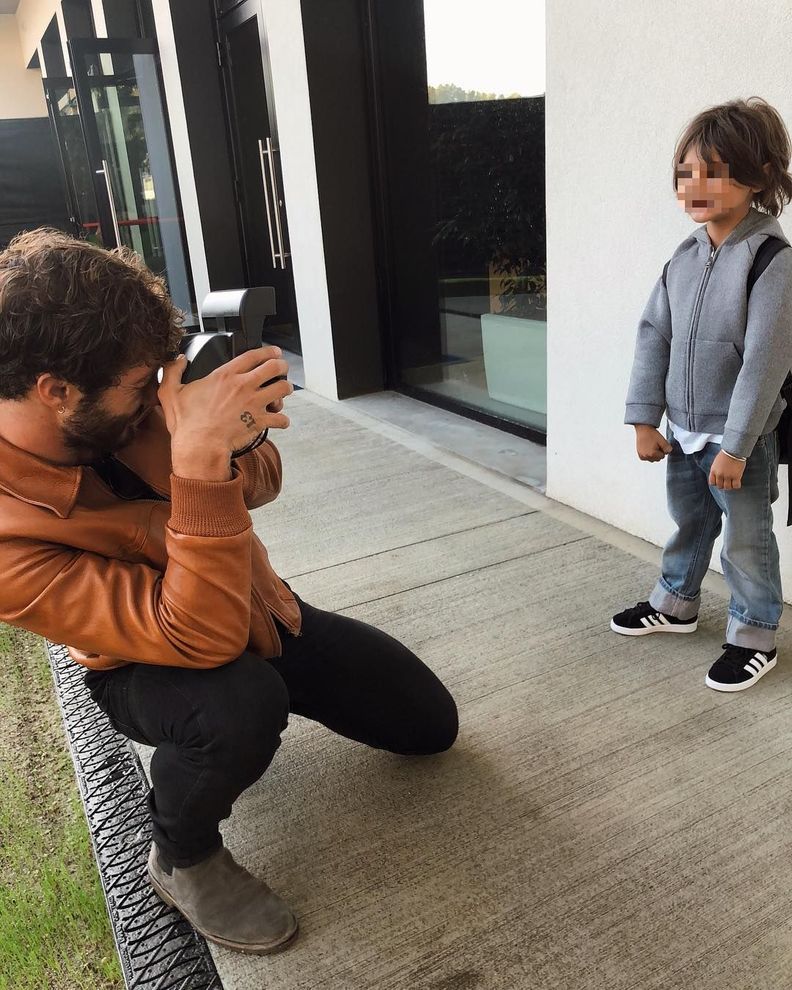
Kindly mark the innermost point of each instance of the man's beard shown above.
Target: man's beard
(92, 432)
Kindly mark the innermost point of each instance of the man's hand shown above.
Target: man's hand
(210, 418)
(726, 472)
(650, 443)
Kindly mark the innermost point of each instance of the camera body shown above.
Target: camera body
(233, 321)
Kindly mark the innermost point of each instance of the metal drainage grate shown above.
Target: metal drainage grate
(158, 949)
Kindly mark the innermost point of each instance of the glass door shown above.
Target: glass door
(256, 154)
(119, 93)
(65, 118)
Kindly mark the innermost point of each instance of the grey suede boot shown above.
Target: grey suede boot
(225, 903)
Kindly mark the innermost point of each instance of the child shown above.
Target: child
(713, 358)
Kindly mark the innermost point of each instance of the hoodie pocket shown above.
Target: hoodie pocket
(716, 365)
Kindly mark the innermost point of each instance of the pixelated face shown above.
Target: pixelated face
(706, 191)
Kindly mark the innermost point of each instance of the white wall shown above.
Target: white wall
(21, 92)
(283, 22)
(623, 79)
(33, 17)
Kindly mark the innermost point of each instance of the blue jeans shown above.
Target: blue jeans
(750, 551)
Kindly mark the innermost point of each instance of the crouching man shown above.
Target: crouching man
(125, 533)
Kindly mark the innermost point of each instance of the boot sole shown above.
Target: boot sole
(648, 630)
(224, 942)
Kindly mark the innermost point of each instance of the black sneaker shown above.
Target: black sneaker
(739, 668)
(643, 619)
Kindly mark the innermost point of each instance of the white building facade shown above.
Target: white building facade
(305, 153)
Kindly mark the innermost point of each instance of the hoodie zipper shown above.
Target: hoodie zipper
(693, 330)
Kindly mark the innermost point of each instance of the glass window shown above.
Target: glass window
(128, 141)
(65, 116)
(467, 204)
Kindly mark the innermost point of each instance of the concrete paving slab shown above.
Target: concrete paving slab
(349, 493)
(604, 821)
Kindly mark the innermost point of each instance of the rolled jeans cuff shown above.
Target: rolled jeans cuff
(664, 599)
(753, 635)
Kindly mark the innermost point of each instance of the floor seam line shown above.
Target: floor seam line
(417, 543)
(474, 570)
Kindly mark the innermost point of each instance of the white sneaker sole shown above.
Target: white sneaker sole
(647, 630)
(745, 684)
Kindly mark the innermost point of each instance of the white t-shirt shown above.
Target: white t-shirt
(691, 443)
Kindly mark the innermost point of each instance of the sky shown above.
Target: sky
(493, 46)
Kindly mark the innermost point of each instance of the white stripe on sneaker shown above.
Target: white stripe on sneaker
(645, 621)
(753, 666)
(663, 620)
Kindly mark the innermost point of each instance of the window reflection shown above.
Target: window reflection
(485, 83)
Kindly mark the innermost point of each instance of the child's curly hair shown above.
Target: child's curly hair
(747, 134)
(84, 314)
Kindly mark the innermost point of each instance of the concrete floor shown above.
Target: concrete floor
(605, 822)
(510, 455)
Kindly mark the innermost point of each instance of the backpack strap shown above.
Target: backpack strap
(768, 249)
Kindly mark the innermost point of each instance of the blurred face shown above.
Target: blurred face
(707, 192)
(107, 422)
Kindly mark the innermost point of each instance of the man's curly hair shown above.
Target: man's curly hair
(84, 314)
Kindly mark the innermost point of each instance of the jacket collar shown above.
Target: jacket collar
(40, 482)
(753, 222)
(56, 486)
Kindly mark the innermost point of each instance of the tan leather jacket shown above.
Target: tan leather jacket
(183, 583)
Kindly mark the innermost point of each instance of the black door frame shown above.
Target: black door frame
(235, 17)
(63, 82)
(228, 18)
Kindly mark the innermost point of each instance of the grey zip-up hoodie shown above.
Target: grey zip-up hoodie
(708, 356)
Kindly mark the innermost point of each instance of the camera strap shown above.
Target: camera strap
(252, 445)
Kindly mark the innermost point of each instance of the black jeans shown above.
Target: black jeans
(216, 731)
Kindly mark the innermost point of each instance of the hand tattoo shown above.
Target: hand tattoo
(249, 420)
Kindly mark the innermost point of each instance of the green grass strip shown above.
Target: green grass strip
(54, 929)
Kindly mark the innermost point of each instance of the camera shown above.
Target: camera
(235, 320)
(234, 323)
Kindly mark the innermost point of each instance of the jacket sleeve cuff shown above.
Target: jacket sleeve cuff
(739, 444)
(642, 414)
(208, 508)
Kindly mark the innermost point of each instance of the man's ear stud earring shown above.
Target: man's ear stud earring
(61, 409)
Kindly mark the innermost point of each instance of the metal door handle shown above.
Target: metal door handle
(105, 171)
(262, 153)
(276, 204)
(268, 153)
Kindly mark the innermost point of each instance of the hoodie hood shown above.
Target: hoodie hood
(754, 222)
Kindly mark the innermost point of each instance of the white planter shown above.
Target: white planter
(515, 360)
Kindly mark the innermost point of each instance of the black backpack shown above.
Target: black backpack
(768, 249)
